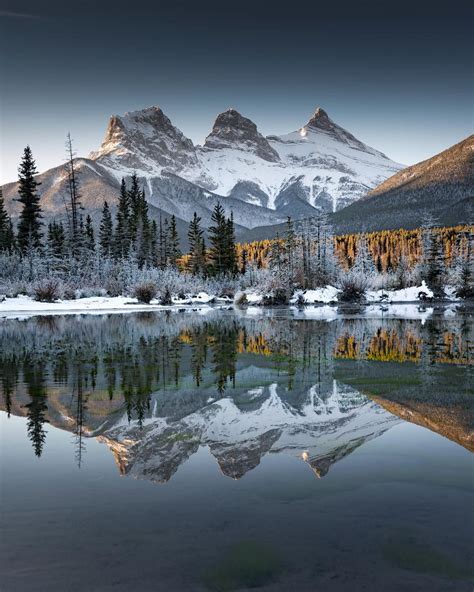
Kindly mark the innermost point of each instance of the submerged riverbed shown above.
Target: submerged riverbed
(225, 450)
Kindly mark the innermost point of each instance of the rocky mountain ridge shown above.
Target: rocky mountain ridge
(261, 179)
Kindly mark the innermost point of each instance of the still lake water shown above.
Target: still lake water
(182, 451)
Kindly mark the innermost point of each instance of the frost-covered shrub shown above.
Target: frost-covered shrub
(165, 297)
(353, 286)
(145, 292)
(279, 296)
(89, 292)
(114, 287)
(46, 291)
(240, 299)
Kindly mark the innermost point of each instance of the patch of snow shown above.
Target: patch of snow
(411, 294)
(325, 295)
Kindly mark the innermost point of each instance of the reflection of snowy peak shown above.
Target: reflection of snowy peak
(330, 425)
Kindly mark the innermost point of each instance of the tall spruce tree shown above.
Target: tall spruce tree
(231, 263)
(433, 268)
(142, 230)
(219, 244)
(173, 242)
(89, 235)
(134, 200)
(56, 239)
(106, 237)
(121, 243)
(197, 254)
(29, 225)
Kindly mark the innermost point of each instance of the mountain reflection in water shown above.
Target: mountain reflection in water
(156, 387)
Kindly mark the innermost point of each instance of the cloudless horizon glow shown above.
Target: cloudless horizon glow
(397, 77)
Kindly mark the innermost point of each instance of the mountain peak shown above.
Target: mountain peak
(319, 113)
(321, 120)
(233, 130)
(144, 140)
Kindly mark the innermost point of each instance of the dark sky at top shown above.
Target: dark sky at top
(398, 75)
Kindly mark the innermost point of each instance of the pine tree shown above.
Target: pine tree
(29, 225)
(230, 260)
(154, 244)
(134, 200)
(243, 267)
(142, 233)
(173, 242)
(219, 244)
(106, 237)
(121, 244)
(6, 228)
(197, 255)
(433, 269)
(56, 239)
(89, 235)
(290, 245)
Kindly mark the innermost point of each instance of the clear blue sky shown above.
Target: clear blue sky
(397, 75)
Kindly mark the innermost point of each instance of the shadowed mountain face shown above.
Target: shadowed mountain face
(442, 186)
(157, 388)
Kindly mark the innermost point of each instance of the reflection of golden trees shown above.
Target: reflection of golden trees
(388, 345)
(454, 350)
(347, 347)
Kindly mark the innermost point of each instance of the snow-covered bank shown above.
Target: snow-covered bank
(321, 303)
(24, 306)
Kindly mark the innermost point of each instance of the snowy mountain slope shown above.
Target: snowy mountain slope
(322, 164)
(261, 180)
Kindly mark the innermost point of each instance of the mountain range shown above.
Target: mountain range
(261, 180)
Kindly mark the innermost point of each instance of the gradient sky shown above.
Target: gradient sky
(398, 75)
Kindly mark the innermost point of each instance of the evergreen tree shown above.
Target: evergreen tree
(230, 255)
(197, 253)
(173, 243)
(433, 269)
(89, 235)
(243, 267)
(56, 239)
(29, 225)
(290, 246)
(154, 244)
(7, 237)
(106, 237)
(121, 244)
(135, 205)
(142, 230)
(219, 244)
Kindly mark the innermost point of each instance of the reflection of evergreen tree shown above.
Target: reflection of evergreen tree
(37, 407)
(224, 346)
(9, 374)
(199, 355)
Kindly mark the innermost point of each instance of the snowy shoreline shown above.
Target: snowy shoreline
(314, 304)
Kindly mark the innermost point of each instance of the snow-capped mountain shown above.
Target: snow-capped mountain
(260, 179)
(321, 165)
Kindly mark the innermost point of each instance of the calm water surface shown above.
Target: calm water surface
(230, 451)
